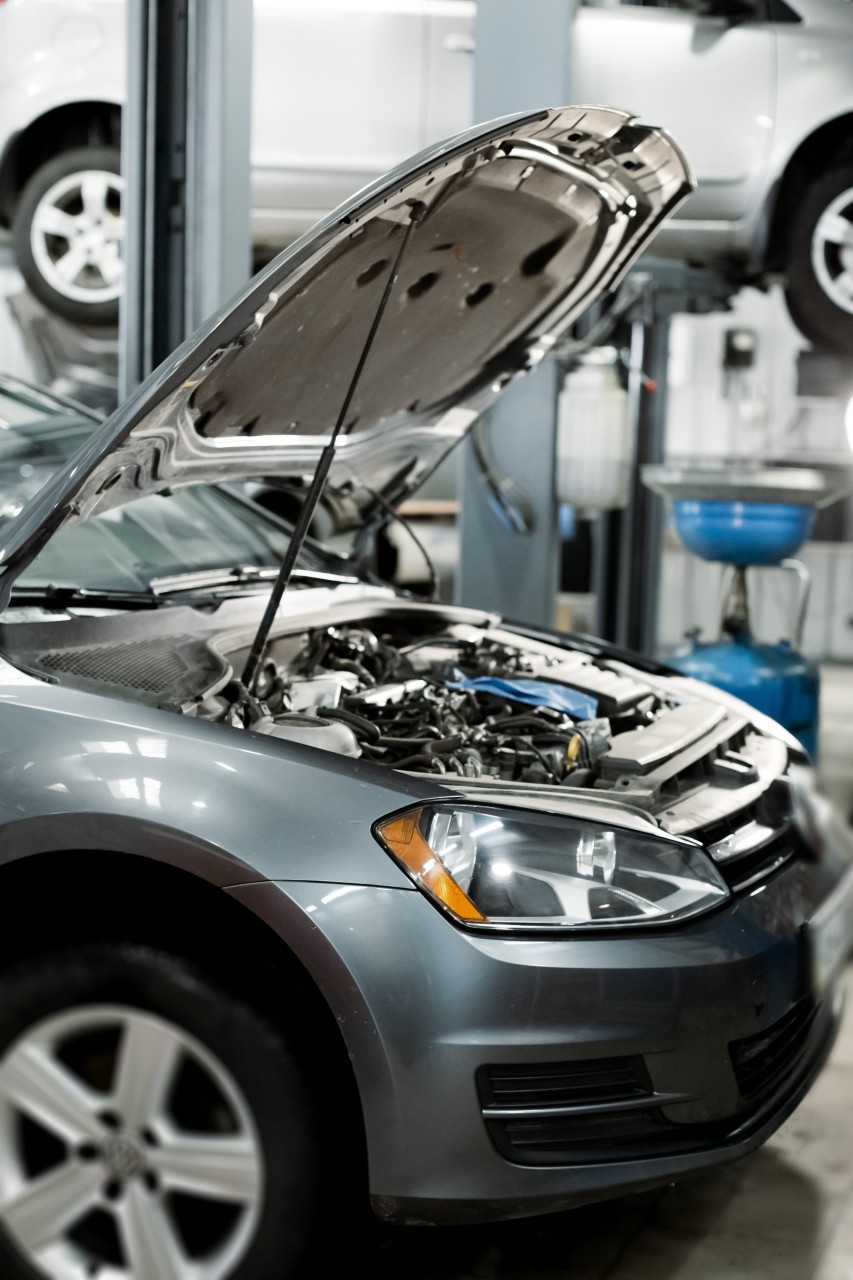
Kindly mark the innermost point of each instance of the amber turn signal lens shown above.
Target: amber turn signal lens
(402, 837)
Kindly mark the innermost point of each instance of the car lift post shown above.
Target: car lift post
(522, 63)
(627, 544)
(185, 160)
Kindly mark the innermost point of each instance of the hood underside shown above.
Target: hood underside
(523, 223)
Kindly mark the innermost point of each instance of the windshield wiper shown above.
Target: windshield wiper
(240, 578)
(417, 209)
(210, 583)
(58, 597)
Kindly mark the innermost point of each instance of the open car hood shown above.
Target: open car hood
(525, 222)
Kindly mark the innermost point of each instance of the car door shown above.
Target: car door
(708, 77)
(337, 99)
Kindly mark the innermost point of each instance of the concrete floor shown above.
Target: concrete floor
(785, 1213)
(836, 736)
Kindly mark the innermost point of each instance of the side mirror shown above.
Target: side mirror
(738, 10)
(730, 10)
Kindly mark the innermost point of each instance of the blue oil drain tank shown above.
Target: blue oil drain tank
(773, 678)
(748, 513)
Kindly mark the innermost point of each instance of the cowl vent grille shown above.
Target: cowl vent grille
(174, 669)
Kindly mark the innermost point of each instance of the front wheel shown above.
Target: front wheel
(819, 285)
(150, 1126)
(68, 234)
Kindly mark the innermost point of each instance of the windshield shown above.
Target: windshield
(191, 531)
(36, 438)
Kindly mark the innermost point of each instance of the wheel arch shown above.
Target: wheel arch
(58, 898)
(73, 124)
(830, 143)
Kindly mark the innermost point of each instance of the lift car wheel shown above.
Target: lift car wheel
(819, 287)
(68, 233)
(150, 1125)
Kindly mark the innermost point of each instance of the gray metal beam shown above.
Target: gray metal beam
(185, 159)
(627, 544)
(641, 540)
(522, 62)
(218, 163)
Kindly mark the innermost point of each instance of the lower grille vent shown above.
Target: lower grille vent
(760, 1061)
(563, 1084)
(574, 1113)
(579, 1140)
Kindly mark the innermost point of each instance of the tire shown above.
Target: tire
(223, 1074)
(68, 235)
(819, 285)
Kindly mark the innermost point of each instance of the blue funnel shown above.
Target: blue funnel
(743, 513)
(743, 533)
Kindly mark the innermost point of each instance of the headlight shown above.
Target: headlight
(502, 867)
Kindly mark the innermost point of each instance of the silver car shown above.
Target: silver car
(761, 90)
(335, 893)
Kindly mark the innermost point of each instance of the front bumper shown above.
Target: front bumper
(711, 1032)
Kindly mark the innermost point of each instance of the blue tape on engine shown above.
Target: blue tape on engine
(535, 693)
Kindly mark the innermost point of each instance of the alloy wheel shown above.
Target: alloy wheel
(832, 251)
(77, 236)
(127, 1150)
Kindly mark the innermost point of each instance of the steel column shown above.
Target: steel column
(641, 534)
(627, 544)
(185, 158)
(522, 62)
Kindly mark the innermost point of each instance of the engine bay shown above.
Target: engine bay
(462, 700)
(426, 689)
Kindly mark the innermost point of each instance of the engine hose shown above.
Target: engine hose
(412, 732)
(444, 745)
(546, 764)
(527, 720)
(434, 762)
(467, 762)
(359, 725)
(429, 746)
(355, 668)
(404, 740)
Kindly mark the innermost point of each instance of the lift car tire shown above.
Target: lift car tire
(819, 287)
(68, 234)
(150, 1124)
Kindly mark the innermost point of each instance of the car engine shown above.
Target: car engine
(465, 701)
(424, 690)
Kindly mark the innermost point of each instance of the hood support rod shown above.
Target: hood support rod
(315, 491)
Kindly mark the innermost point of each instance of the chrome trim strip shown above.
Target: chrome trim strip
(587, 1108)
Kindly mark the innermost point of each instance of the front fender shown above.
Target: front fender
(79, 770)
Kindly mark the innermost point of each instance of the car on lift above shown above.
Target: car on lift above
(762, 91)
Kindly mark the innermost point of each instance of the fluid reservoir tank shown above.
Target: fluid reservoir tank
(594, 436)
